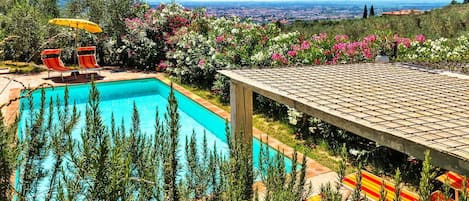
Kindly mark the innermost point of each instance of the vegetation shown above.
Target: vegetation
(449, 22)
(119, 163)
(191, 47)
(7, 158)
(20, 67)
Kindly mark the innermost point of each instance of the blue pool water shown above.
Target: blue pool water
(149, 94)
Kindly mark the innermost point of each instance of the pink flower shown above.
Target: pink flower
(279, 58)
(276, 56)
(341, 38)
(220, 38)
(323, 36)
(367, 53)
(370, 38)
(317, 61)
(295, 47)
(420, 38)
(162, 65)
(201, 63)
(320, 37)
(340, 46)
(305, 45)
(291, 53)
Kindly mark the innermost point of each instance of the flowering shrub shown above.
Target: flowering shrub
(148, 35)
(192, 46)
(438, 50)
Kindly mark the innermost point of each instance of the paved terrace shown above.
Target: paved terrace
(405, 109)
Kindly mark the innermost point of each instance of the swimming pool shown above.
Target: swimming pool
(149, 95)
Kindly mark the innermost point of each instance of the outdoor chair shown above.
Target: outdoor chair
(371, 187)
(87, 58)
(51, 59)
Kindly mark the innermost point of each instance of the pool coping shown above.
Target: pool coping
(313, 168)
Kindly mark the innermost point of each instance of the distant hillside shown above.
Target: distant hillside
(449, 21)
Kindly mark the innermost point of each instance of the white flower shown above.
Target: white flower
(234, 31)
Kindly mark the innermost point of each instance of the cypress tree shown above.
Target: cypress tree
(372, 11)
(171, 161)
(464, 193)
(356, 194)
(397, 189)
(7, 156)
(426, 177)
(342, 165)
(365, 12)
(383, 193)
(446, 190)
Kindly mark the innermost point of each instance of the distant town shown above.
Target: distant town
(265, 12)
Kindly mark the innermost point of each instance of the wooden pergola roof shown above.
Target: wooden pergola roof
(405, 109)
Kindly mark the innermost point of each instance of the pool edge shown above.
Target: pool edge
(313, 167)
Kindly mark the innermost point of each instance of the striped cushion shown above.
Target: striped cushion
(87, 61)
(55, 64)
(371, 186)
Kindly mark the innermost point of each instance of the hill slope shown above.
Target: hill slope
(448, 22)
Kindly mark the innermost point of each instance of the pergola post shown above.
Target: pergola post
(241, 113)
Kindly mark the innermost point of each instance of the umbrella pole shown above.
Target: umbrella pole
(75, 52)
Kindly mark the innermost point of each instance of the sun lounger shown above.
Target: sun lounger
(51, 59)
(87, 58)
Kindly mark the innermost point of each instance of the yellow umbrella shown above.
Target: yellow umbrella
(77, 23)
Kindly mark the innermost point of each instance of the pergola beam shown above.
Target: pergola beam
(241, 113)
(400, 108)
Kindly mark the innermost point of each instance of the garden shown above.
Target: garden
(190, 47)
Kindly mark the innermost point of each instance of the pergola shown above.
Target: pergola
(405, 109)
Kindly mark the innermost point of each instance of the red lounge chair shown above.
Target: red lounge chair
(87, 58)
(51, 59)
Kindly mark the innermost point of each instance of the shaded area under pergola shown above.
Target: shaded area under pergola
(405, 109)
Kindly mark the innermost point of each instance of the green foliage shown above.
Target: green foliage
(426, 177)
(170, 163)
(464, 193)
(328, 193)
(7, 157)
(342, 165)
(356, 193)
(25, 23)
(281, 186)
(372, 11)
(449, 22)
(50, 8)
(382, 192)
(446, 190)
(365, 12)
(398, 185)
(239, 173)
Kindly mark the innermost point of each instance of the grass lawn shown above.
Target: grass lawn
(279, 130)
(20, 67)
